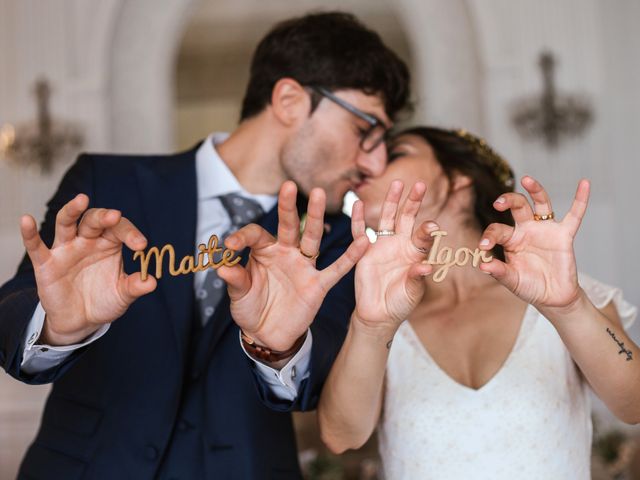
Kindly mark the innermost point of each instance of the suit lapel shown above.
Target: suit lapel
(169, 197)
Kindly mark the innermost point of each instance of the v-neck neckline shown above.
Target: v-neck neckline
(520, 338)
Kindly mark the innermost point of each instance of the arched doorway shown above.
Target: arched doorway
(145, 40)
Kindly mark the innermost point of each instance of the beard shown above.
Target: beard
(308, 162)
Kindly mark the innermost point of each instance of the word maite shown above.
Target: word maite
(188, 264)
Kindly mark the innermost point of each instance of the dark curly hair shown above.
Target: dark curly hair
(459, 152)
(332, 50)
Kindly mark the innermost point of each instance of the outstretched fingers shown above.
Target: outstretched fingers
(574, 217)
(540, 197)
(288, 220)
(358, 225)
(338, 269)
(67, 219)
(410, 208)
(36, 249)
(390, 206)
(314, 224)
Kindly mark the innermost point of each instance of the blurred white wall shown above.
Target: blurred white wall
(111, 64)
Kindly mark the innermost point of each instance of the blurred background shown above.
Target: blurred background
(552, 85)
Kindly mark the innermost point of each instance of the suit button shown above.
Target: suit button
(151, 452)
(183, 426)
(195, 375)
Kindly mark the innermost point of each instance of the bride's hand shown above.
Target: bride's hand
(540, 265)
(389, 279)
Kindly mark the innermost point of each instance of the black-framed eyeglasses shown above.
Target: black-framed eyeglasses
(369, 138)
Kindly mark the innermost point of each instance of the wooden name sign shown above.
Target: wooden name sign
(188, 264)
(446, 258)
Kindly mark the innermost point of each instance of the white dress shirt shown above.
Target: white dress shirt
(213, 180)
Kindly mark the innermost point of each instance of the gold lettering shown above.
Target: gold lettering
(212, 249)
(486, 258)
(228, 255)
(200, 264)
(445, 257)
(438, 234)
(462, 256)
(145, 258)
(188, 264)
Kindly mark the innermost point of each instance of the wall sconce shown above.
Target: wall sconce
(41, 142)
(551, 116)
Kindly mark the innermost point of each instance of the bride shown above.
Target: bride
(486, 374)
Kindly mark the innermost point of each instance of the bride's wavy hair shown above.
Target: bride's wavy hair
(460, 152)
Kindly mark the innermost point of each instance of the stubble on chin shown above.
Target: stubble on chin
(334, 204)
(309, 165)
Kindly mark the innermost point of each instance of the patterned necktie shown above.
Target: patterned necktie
(241, 211)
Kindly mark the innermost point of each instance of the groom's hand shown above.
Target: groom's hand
(275, 298)
(80, 279)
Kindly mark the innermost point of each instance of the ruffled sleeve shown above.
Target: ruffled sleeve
(602, 294)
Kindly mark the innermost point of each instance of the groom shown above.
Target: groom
(153, 379)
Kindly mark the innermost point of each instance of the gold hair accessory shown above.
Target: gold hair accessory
(499, 165)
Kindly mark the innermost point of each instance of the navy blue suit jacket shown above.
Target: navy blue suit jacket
(114, 403)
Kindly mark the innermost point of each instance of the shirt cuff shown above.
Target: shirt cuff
(37, 357)
(285, 383)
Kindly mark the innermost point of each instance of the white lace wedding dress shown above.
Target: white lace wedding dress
(532, 420)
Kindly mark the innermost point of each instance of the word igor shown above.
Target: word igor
(188, 264)
(446, 258)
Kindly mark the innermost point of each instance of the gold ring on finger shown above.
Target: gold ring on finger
(547, 216)
(310, 257)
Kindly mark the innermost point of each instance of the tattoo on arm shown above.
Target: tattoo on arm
(622, 350)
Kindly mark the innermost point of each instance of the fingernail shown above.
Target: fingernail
(484, 242)
(432, 226)
(484, 271)
(500, 200)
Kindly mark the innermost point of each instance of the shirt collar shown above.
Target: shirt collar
(214, 178)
